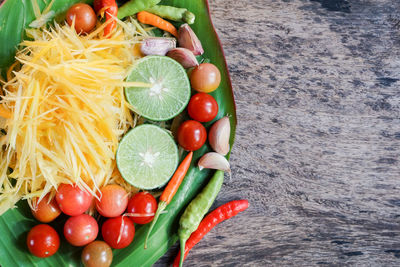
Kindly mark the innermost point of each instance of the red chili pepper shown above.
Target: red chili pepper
(218, 215)
(110, 7)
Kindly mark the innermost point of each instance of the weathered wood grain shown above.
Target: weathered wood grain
(318, 140)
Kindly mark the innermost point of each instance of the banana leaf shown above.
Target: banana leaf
(15, 15)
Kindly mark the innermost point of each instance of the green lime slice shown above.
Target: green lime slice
(170, 91)
(147, 156)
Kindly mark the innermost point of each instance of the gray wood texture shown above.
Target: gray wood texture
(317, 148)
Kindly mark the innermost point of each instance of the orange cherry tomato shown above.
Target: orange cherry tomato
(45, 211)
(205, 78)
(113, 200)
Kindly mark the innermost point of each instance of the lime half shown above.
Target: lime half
(147, 156)
(169, 92)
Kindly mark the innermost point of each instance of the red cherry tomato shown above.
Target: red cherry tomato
(85, 18)
(202, 107)
(43, 241)
(81, 230)
(113, 201)
(118, 232)
(142, 207)
(191, 135)
(72, 200)
(97, 5)
(45, 211)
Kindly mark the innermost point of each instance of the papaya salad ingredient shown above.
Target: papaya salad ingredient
(43, 241)
(189, 40)
(72, 200)
(134, 6)
(219, 135)
(205, 78)
(118, 232)
(157, 46)
(173, 13)
(169, 90)
(147, 156)
(184, 56)
(156, 21)
(45, 210)
(215, 217)
(191, 135)
(196, 210)
(81, 230)
(112, 200)
(97, 254)
(82, 17)
(213, 160)
(170, 190)
(88, 119)
(141, 208)
(202, 107)
(110, 8)
(68, 111)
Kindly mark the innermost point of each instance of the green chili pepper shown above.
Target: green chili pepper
(173, 13)
(196, 210)
(134, 6)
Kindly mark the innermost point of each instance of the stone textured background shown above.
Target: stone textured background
(317, 148)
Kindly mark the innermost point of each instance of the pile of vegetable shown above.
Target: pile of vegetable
(97, 112)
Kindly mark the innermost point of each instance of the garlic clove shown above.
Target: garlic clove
(188, 39)
(213, 160)
(183, 56)
(219, 135)
(157, 46)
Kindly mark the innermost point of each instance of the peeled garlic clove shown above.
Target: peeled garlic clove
(157, 46)
(183, 56)
(212, 160)
(219, 134)
(188, 39)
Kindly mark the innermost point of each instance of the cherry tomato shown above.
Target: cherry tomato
(43, 241)
(113, 202)
(85, 18)
(81, 230)
(97, 254)
(202, 107)
(97, 5)
(72, 200)
(116, 228)
(45, 211)
(142, 208)
(191, 135)
(205, 78)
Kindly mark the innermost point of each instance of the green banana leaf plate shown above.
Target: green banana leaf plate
(15, 15)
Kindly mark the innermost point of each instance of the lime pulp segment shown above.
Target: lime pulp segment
(169, 93)
(147, 156)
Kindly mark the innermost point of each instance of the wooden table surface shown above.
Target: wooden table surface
(318, 139)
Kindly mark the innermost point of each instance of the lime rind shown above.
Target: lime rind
(147, 157)
(169, 94)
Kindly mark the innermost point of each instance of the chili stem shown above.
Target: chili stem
(161, 207)
(183, 244)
